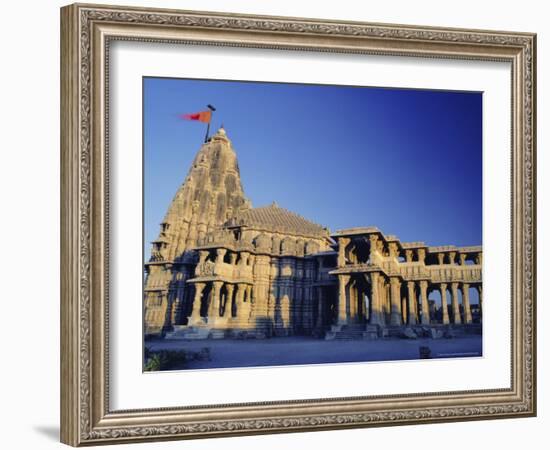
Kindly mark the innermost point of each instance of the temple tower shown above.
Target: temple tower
(210, 194)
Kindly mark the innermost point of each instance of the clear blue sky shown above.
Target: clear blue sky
(406, 161)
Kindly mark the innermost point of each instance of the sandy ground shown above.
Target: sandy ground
(302, 350)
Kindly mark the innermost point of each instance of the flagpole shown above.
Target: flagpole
(207, 131)
(212, 109)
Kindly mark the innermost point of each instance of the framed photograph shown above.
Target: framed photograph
(276, 224)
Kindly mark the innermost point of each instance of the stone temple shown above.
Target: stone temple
(223, 269)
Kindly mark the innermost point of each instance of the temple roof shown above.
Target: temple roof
(360, 231)
(275, 218)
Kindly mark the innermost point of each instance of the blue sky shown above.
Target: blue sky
(407, 161)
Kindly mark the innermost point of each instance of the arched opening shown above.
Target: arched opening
(331, 303)
(211, 255)
(329, 261)
(227, 257)
(434, 305)
(205, 300)
(475, 305)
(188, 297)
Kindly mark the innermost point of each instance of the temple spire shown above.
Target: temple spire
(211, 192)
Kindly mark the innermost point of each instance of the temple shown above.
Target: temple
(223, 269)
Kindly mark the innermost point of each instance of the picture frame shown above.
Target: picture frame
(87, 32)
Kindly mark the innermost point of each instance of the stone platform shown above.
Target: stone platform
(194, 333)
(373, 332)
(336, 332)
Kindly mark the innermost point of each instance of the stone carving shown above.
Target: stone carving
(263, 242)
(205, 269)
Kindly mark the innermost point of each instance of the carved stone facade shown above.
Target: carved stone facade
(221, 268)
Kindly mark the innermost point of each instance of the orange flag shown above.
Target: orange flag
(203, 116)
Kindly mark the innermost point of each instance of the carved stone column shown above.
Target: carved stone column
(424, 302)
(176, 306)
(243, 258)
(480, 293)
(395, 294)
(452, 256)
(421, 252)
(320, 306)
(454, 303)
(352, 302)
(479, 258)
(285, 312)
(412, 302)
(196, 309)
(466, 303)
(261, 269)
(444, 304)
(239, 297)
(246, 310)
(342, 244)
(342, 299)
(377, 315)
(228, 307)
(416, 308)
(203, 254)
(273, 291)
(440, 257)
(383, 295)
(373, 252)
(214, 307)
(387, 295)
(393, 249)
(220, 254)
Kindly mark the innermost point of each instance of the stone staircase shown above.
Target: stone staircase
(352, 332)
(185, 332)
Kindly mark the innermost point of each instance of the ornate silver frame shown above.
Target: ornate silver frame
(86, 31)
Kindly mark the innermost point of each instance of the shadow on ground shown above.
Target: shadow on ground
(51, 432)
